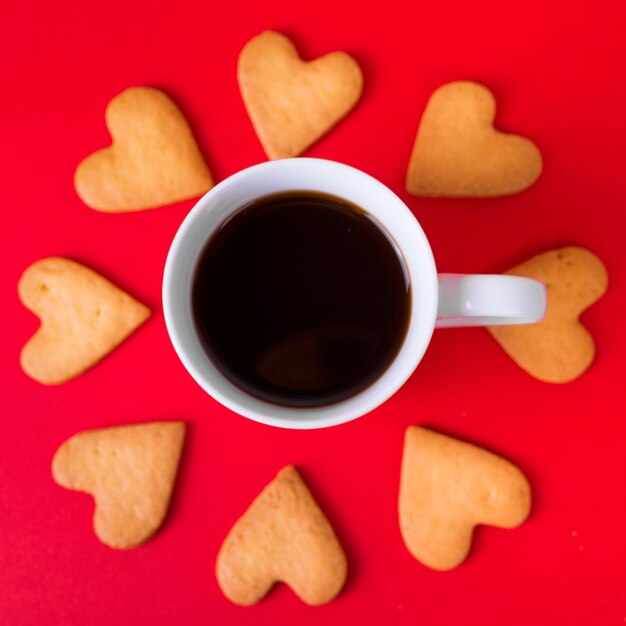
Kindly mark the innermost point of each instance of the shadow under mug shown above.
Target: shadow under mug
(438, 301)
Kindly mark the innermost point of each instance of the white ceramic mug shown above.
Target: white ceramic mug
(438, 301)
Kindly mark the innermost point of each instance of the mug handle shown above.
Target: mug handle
(489, 300)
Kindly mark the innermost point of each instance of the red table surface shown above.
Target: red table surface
(557, 70)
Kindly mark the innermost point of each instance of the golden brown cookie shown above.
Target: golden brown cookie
(83, 317)
(129, 470)
(292, 103)
(154, 159)
(447, 487)
(458, 152)
(283, 536)
(558, 349)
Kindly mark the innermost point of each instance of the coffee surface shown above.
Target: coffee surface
(301, 299)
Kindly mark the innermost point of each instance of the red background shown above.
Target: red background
(557, 71)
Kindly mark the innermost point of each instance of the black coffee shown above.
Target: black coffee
(301, 299)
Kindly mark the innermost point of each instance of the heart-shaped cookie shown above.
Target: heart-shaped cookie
(447, 487)
(283, 536)
(292, 103)
(129, 470)
(83, 317)
(559, 349)
(458, 152)
(154, 159)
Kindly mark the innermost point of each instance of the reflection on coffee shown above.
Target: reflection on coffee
(301, 299)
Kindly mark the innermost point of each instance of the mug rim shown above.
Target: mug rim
(227, 393)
